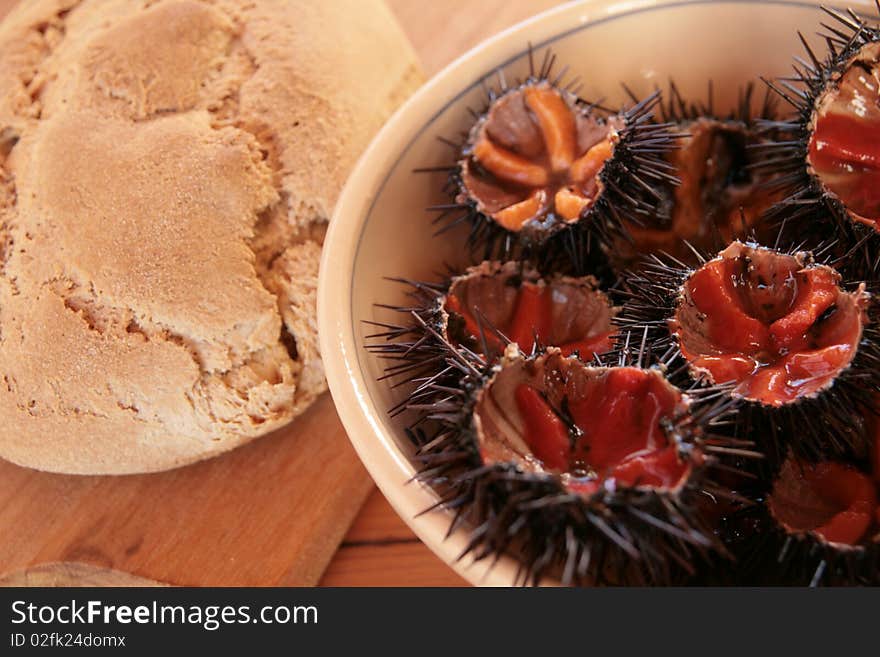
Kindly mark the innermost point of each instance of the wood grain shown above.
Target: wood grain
(73, 574)
(378, 522)
(409, 563)
(380, 550)
(269, 513)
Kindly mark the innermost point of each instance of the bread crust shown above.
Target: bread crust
(166, 172)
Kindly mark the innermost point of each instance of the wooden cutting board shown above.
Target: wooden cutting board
(269, 513)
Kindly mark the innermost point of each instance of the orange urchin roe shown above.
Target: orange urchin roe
(831, 500)
(575, 318)
(844, 145)
(759, 318)
(617, 434)
(537, 156)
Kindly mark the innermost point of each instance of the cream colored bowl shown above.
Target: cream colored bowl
(380, 227)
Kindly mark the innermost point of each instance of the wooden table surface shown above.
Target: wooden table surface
(379, 549)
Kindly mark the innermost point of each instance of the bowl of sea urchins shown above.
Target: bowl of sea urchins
(599, 306)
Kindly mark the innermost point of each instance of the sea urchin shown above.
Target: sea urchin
(540, 162)
(797, 345)
(591, 472)
(819, 525)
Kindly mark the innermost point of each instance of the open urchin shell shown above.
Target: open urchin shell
(543, 169)
(818, 525)
(496, 303)
(468, 320)
(720, 195)
(589, 472)
(796, 344)
(827, 155)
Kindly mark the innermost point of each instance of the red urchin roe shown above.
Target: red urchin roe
(831, 500)
(617, 435)
(545, 433)
(761, 319)
(533, 317)
(844, 152)
(531, 324)
(844, 146)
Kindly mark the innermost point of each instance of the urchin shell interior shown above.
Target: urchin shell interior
(532, 162)
(844, 145)
(633, 520)
(543, 172)
(720, 197)
(832, 502)
(780, 328)
(826, 178)
(595, 427)
(495, 302)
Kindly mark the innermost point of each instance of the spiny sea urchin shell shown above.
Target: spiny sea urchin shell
(827, 154)
(496, 303)
(590, 472)
(818, 524)
(542, 166)
(721, 196)
(798, 345)
(480, 311)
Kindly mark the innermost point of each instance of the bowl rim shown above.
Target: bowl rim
(377, 448)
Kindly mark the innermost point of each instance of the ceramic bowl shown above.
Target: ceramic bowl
(380, 227)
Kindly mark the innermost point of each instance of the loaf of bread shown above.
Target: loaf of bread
(167, 168)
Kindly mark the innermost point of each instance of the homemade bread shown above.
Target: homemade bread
(166, 171)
